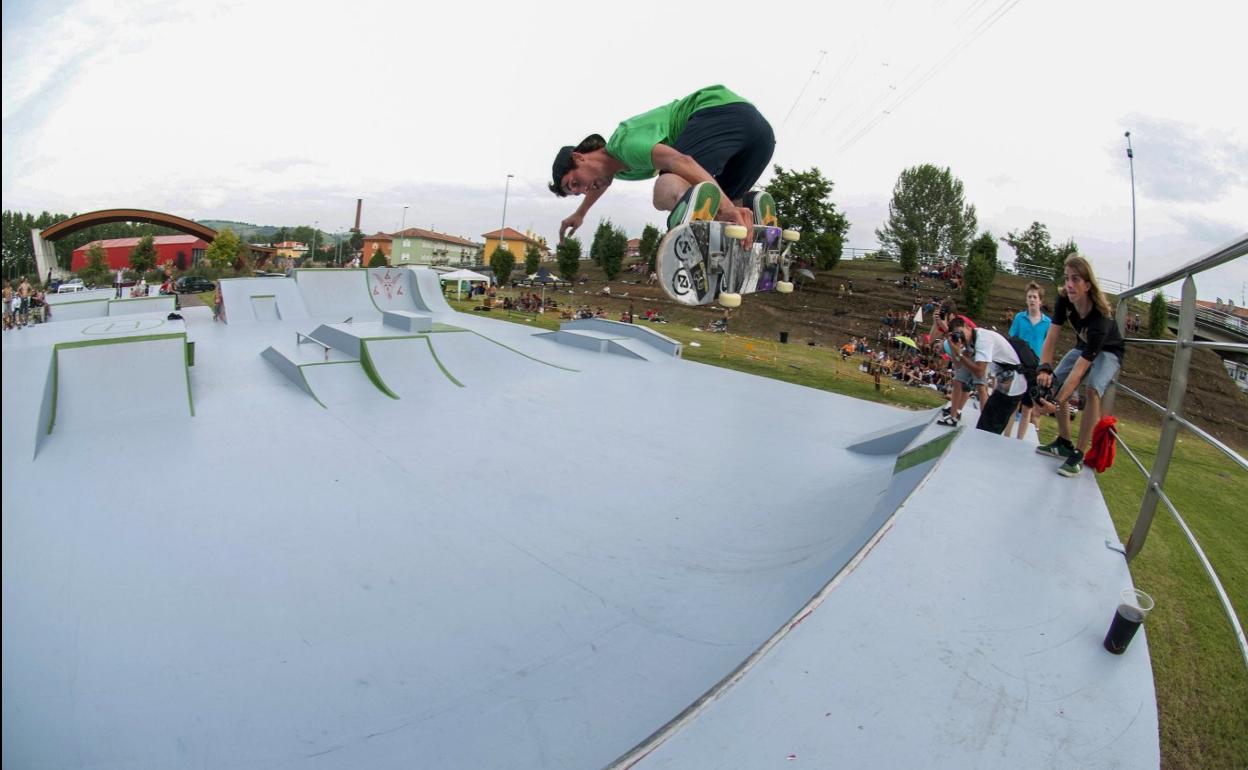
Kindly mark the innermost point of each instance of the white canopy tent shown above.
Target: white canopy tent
(459, 276)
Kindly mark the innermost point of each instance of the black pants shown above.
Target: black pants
(733, 142)
(997, 412)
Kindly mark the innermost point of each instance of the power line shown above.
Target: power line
(801, 93)
(974, 35)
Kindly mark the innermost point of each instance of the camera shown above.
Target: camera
(958, 336)
(1039, 393)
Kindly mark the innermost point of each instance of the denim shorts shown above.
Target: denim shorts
(1104, 367)
(733, 142)
(968, 380)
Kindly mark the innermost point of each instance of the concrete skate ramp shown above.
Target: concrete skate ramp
(395, 288)
(115, 382)
(248, 300)
(406, 367)
(77, 309)
(429, 286)
(847, 694)
(474, 359)
(336, 294)
(340, 382)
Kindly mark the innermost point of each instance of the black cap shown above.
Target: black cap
(561, 166)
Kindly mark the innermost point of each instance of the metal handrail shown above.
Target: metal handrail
(301, 338)
(1218, 256)
(1172, 412)
(1239, 347)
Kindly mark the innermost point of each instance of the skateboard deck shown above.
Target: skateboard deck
(702, 262)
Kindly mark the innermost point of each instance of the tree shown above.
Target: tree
(502, 262)
(1158, 316)
(803, 203)
(378, 259)
(95, 271)
(568, 255)
(648, 249)
(613, 250)
(1035, 254)
(929, 207)
(981, 270)
(601, 236)
(910, 256)
(223, 251)
(532, 259)
(1059, 259)
(143, 256)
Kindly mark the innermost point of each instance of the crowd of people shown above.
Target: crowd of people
(23, 304)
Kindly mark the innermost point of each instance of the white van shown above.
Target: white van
(72, 285)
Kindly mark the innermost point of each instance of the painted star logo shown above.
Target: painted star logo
(390, 284)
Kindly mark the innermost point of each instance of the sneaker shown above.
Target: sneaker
(700, 202)
(1059, 448)
(1073, 465)
(763, 206)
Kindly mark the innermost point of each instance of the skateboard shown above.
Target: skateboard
(701, 262)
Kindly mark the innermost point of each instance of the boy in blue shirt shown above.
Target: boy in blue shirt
(1030, 325)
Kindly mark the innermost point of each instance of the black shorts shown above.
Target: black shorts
(733, 142)
(997, 412)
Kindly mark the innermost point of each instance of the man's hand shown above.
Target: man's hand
(1044, 379)
(738, 215)
(570, 225)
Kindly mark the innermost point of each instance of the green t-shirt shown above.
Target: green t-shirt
(636, 137)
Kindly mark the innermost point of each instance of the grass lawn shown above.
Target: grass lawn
(1201, 681)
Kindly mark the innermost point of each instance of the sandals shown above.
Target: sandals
(949, 421)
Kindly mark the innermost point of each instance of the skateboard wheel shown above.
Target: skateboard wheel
(784, 287)
(735, 231)
(730, 299)
(792, 235)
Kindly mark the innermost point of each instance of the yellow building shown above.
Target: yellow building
(516, 242)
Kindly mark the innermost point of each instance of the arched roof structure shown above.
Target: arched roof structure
(107, 216)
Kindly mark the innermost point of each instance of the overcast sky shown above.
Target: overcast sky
(284, 113)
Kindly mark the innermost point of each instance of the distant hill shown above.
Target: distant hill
(244, 230)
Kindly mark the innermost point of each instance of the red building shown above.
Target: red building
(167, 248)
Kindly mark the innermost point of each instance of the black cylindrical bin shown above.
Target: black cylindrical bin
(784, 338)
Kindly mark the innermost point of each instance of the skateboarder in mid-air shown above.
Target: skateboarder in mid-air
(707, 149)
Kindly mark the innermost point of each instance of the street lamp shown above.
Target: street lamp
(312, 251)
(502, 233)
(402, 227)
(1131, 161)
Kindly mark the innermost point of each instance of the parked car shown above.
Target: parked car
(193, 284)
(72, 285)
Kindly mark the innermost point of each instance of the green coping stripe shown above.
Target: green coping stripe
(58, 347)
(308, 387)
(370, 369)
(929, 451)
(263, 296)
(365, 340)
(531, 358)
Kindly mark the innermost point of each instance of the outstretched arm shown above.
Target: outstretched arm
(577, 218)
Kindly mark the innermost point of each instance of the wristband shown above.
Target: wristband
(1046, 368)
